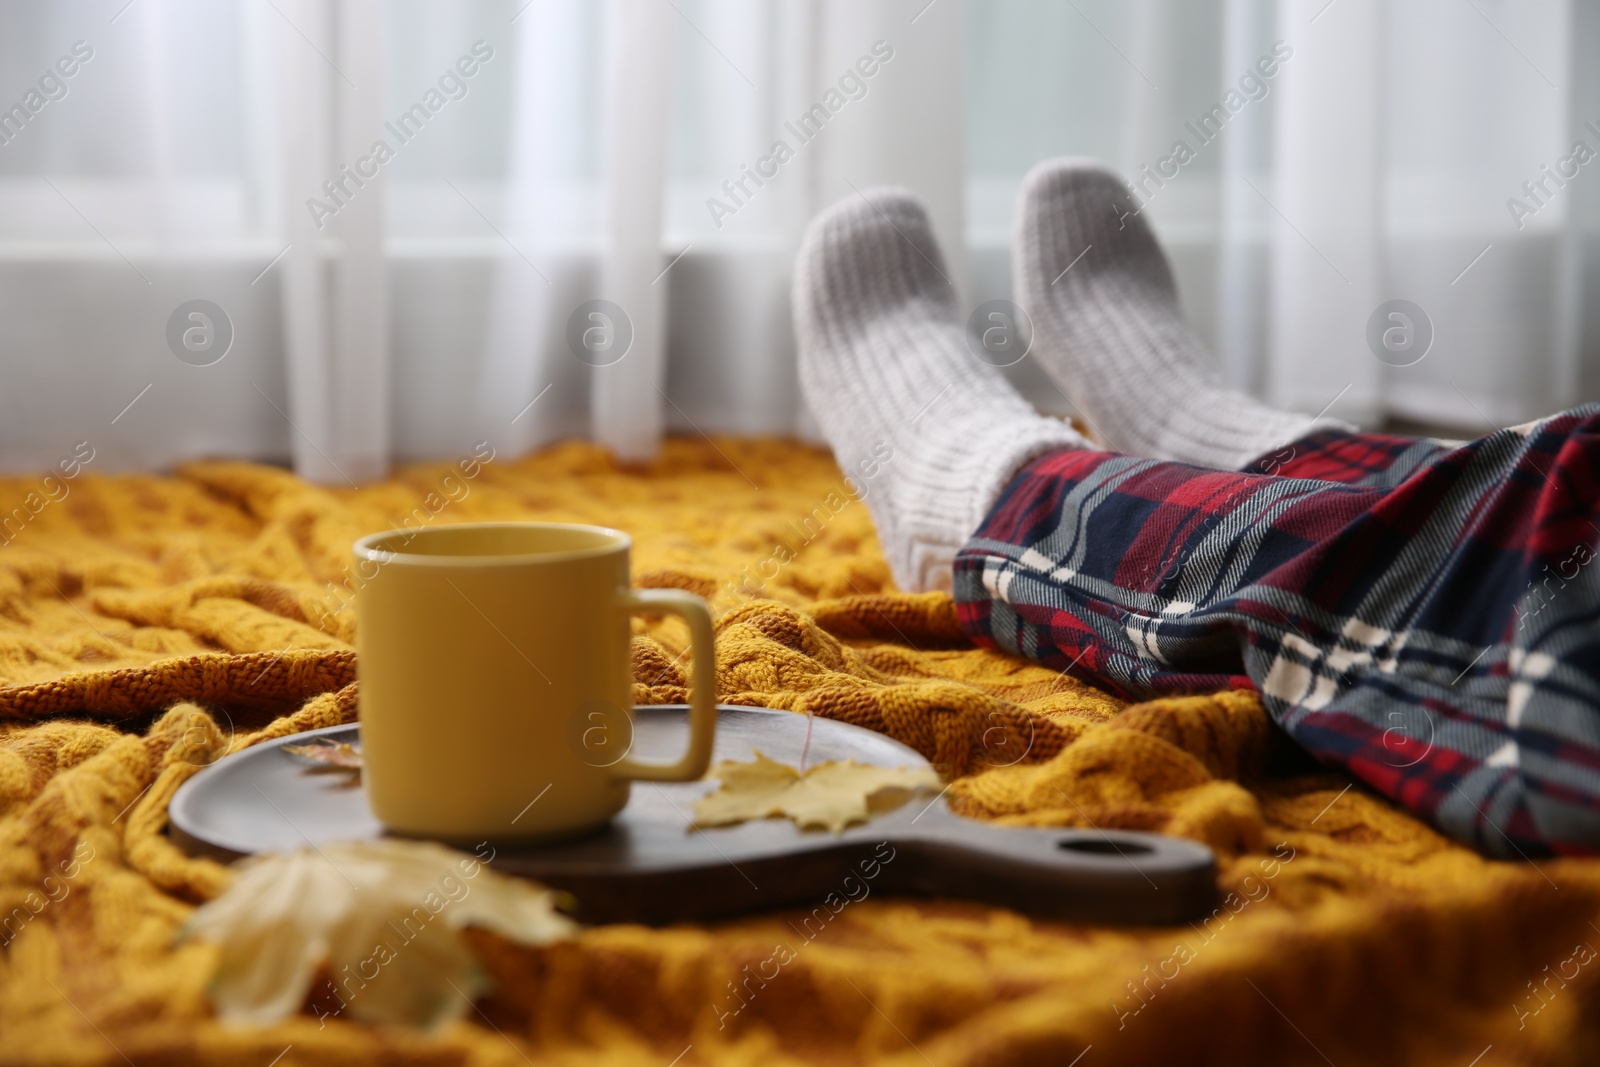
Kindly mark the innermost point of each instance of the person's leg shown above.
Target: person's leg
(1439, 638)
(1425, 617)
(928, 434)
(1108, 330)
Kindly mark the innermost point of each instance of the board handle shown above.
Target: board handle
(1085, 875)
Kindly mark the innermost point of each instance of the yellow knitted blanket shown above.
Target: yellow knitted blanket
(149, 624)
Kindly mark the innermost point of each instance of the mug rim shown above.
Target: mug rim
(364, 546)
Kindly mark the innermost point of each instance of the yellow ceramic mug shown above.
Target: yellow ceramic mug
(496, 679)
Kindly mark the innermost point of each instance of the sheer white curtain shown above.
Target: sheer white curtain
(1375, 164)
(540, 157)
(668, 215)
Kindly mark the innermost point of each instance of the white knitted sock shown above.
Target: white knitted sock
(1108, 330)
(926, 430)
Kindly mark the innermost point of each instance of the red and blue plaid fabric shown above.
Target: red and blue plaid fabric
(1423, 615)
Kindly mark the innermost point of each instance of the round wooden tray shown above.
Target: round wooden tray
(649, 865)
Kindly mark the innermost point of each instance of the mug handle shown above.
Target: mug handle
(702, 697)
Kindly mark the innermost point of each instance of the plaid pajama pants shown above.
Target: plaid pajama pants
(1424, 616)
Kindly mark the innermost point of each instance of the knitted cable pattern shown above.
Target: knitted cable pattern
(149, 625)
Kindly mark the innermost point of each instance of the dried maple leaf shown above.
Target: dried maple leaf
(341, 755)
(381, 919)
(831, 795)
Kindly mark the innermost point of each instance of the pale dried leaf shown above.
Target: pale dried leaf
(342, 755)
(831, 795)
(387, 912)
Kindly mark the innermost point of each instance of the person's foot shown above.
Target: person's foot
(1108, 331)
(928, 433)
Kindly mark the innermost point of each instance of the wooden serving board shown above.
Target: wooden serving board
(648, 865)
